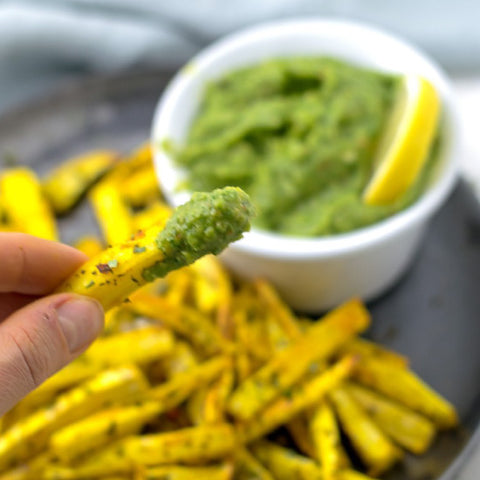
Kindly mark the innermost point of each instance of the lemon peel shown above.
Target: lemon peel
(405, 144)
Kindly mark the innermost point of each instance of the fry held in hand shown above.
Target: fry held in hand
(206, 224)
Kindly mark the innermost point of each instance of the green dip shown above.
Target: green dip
(299, 136)
(207, 223)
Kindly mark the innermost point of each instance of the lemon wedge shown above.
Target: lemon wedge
(404, 147)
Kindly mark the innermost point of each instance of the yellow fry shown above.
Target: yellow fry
(140, 347)
(101, 428)
(174, 472)
(406, 388)
(205, 289)
(196, 406)
(290, 364)
(250, 327)
(205, 224)
(208, 405)
(326, 438)
(113, 215)
(243, 365)
(247, 467)
(136, 160)
(179, 283)
(188, 445)
(184, 320)
(300, 397)
(301, 435)
(279, 309)
(141, 187)
(30, 435)
(178, 388)
(140, 157)
(150, 343)
(213, 292)
(374, 448)
(157, 213)
(5, 225)
(27, 209)
(104, 462)
(114, 468)
(117, 320)
(181, 359)
(353, 475)
(66, 184)
(117, 477)
(366, 348)
(20, 473)
(89, 245)
(29, 471)
(72, 374)
(278, 339)
(81, 473)
(285, 464)
(216, 397)
(407, 428)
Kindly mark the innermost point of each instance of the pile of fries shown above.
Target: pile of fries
(199, 376)
(122, 191)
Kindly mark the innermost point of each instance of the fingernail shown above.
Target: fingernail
(81, 320)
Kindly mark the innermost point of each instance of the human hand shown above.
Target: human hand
(39, 333)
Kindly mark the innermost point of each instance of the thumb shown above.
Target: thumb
(41, 338)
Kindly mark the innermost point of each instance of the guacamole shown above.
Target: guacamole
(299, 136)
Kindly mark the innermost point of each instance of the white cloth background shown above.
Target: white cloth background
(42, 41)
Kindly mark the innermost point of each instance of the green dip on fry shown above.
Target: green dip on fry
(299, 136)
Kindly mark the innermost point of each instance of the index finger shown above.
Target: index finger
(33, 265)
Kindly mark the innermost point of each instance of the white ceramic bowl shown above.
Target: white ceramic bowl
(314, 274)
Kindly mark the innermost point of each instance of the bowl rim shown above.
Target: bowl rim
(274, 245)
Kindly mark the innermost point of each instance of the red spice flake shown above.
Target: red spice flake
(104, 268)
(174, 414)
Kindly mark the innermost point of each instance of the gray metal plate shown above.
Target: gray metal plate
(432, 315)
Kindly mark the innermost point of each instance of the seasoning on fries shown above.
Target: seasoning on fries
(200, 376)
